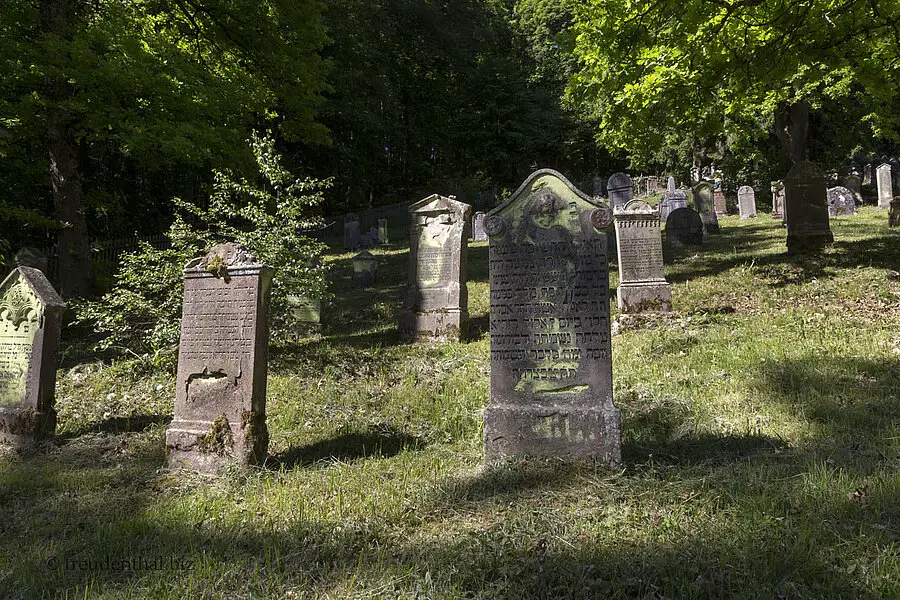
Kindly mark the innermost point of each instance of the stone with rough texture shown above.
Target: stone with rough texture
(220, 386)
(365, 269)
(894, 213)
(437, 301)
(841, 201)
(684, 228)
(551, 354)
(642, 283)
(620, 190)
(351, 235)
(885, 185)
(746, 202)
(806, 209)
(30, 311)
(704, 204)
(478, 232)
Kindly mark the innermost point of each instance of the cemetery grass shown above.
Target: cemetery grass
(761, 447)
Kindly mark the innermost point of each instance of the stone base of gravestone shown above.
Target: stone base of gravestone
(443, 325)
(806, 209)
(894, 214)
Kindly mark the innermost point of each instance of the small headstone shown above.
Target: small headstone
(806, 208)
(894, 213)
(383, 232)
(30, 311)
(719, 202)
(670, 185)
(705, 206)
(306, 315)
(620, 190)
(551, 353)
(220, 398)
(778, 200)
(684, 227)
(31, 257)
(853, 183)
(478, 233)
(642, 283)
(437, 301)
(365, 269)
(841, 201)
(885, 185)
(746, 202)
(351, 235)
(670, 202)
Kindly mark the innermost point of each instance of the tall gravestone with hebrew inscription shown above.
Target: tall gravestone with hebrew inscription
(806, 209)
(642, 283)
(30, 311)
(885, 185)
(704, 203)
(620, 189)
(437, 301)
(746, 202)
(551, 356)
(220, 397)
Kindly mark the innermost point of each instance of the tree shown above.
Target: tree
(653, 73)
(161, 83)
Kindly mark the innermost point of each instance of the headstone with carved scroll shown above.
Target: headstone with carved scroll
(642, 283)
(551, 356)
(437, 301)
(220, 398)
(30, 311)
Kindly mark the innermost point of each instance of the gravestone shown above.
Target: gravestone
(220, 398)
(642, 283)
(719, 202)
(867, 175)
(365, 269)
(437, 301)
(31, 257)
(671, 201)
(551, 354)
(885, 185)
(351, 235)
(478, 233)
(306, 315)
(620, 190)
(806, 208)
(746, 202)
(383, 232)
(684, 227)
(778, 200)
(853, 183)
(841, 201)
(30, 311)
(894, 213)
(670, 185)
(705, 206)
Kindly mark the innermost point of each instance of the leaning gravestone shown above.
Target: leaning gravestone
(684, 227)
(642, 283)
(220, 398)
(383, 231)
(551, 356)
(885, 185)
(620, 190)
(806, 208)
(30, 311)
(670, 202)
(746, 202)
(437, 301)
(351, 235)
(719, 202)
(705, 206)
(894, 213)
(365, 269)
(841, 201)
(478, 233)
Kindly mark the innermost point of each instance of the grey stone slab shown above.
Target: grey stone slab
(551, 353)
(670, 202)
(746, 202)
(670, 185)
(642, 282)
(806, 209)
(885, 185)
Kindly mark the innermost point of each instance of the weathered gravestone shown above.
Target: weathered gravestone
(642, 283)
(551, 357)
(351, 235)
(841, 201)
(746, 202)
(853, 183)
(867, 175)
(806, 208)
(894, 213)
(478, 233)
(620, 190)
(437, 301)
(719, 202)
(383, 232)
(306, 315)
(778, 201)
(705, 206)
(670, 185)
(365, 269)
(30, 311)
(220, 397)
(670, 202)
(684, 227)
(885, 185)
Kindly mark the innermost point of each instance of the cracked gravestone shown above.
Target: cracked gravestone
(220, 397)
(551, 356)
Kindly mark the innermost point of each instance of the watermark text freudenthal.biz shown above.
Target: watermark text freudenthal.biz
(126, 563)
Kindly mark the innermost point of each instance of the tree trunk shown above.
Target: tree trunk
(792, 128)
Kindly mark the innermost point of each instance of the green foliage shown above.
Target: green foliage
(142, 312)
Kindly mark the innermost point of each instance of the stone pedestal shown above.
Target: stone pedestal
(220, 398)
(437, 298)
(30, 311)
(551, 356)
(705, 206)
(642, 283)
(365, 269)
(806, 208)
(746, 202)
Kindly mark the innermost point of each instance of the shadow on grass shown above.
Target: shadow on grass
(382, 442)
(114, 425)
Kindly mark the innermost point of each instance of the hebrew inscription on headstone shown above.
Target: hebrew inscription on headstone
(220, 397)
(806, 208)
(551, 356)
(30, 311)
(642, 282)
(437, 301)
(705, 206)
(746, 202)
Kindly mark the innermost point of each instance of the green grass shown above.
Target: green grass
(761, 445)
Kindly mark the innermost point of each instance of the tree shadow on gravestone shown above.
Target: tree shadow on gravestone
(381, 441)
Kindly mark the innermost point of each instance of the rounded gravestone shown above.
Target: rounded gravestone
(841, 201)
(620, 190)
(746, 202)
(684, 228)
